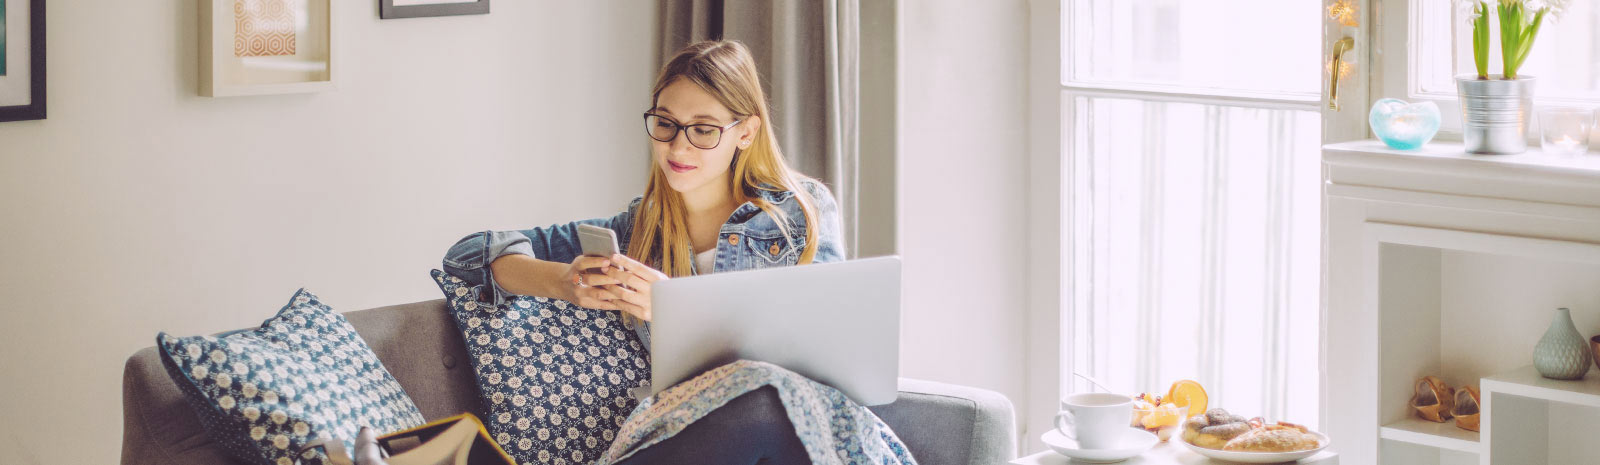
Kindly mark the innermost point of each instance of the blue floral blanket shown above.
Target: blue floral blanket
(834, 429)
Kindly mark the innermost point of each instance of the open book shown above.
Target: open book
(458, 440)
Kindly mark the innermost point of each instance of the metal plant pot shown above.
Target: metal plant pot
(1495, 113)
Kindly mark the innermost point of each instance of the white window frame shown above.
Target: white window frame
(1397, 29)
(1051, 260)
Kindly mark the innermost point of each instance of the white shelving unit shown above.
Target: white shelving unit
(1449, 264)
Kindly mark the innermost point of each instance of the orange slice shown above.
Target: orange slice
(1186, 393)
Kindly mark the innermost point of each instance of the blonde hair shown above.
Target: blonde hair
(726, 70)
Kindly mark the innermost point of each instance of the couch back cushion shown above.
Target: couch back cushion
(417, 342)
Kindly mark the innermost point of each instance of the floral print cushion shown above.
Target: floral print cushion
(304, 375)
(556, 378)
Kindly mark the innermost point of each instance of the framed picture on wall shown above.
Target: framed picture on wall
(391, 9)
(259, 47)
(21, 60)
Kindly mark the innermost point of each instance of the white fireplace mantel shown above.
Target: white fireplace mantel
(1443, 263)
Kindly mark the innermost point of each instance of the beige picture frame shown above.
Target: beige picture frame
(266, 47)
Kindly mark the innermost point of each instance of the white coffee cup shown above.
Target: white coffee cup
(1096, 420)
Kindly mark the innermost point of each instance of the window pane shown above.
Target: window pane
(1565, 56)
(1201, 46)
(1196, 251)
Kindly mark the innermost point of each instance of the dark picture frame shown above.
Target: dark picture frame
(388, 10)
(35, 107)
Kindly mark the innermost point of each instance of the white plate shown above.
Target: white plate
(1135, 442)
(1256, 457)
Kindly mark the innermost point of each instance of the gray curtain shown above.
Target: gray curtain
(807, 52)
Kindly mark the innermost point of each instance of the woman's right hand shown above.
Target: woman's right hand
(583, 287)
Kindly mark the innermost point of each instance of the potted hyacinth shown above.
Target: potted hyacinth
(1495, 107)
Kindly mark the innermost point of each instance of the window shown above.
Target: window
(1193, 204)
(1436, 38)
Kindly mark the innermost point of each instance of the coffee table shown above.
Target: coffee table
(1166, 453)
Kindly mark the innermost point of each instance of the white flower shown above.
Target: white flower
(226, 402)
(285, 461)
(300, 428)
(279, 417)
(258, 432)
(252, 413)
(280, 441)
(200, 372)
(1557, 7)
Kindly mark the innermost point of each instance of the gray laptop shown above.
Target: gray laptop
(836, 323)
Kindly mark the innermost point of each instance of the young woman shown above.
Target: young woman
(720, 197)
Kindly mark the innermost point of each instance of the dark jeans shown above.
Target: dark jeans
(753, 428)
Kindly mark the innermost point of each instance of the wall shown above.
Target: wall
(140, 207)
(963, 69)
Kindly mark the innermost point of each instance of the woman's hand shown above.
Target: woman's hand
(585, 288)
(630, 287)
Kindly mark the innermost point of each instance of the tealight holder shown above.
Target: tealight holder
(1402, 125)
(1565, 131)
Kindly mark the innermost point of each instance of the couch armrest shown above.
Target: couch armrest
(948, 424)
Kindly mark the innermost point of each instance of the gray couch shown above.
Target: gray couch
(943, 424)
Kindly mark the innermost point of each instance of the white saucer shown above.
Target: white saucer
(1133, 443)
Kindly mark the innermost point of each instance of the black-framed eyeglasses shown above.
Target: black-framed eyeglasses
(702, 136)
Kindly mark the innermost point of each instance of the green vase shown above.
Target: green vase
(1562, 353)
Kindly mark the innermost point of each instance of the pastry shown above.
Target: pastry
(1214, 429)
(1282, 437)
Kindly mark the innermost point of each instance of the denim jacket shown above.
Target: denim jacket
(750, 239)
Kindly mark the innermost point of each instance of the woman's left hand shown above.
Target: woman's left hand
(633, 295)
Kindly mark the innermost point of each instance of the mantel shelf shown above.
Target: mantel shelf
(1526, 382)
(1442, 435)
(1446, 168)
(1437, 154)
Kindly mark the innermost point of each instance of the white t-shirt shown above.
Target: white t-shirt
(704, 260)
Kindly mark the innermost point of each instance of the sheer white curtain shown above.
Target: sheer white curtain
(1194, 200)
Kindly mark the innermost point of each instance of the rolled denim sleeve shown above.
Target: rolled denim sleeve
(830, 230)
(470, 257)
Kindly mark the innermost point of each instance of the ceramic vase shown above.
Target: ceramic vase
(1562, 353)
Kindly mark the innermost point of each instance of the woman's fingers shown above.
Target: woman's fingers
(596, 298)
(627, 278)
(639, 312)
(600, 279)
(636, 303)
(584, 262)
(638, 269)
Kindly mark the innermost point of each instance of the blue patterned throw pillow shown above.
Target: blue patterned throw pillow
(303, 375)
(556, 378)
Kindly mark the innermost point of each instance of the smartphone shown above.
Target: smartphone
(597, 241)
